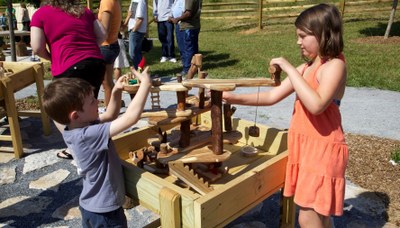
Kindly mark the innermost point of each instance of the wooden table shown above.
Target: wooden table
(25, 74)
(20, 47)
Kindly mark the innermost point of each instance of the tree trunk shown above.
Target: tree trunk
(391, 18)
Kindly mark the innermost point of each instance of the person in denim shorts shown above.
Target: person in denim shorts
(110, 17)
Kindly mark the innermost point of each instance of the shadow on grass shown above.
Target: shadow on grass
(211, 60)
(380, 29)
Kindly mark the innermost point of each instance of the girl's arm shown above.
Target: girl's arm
(331, 77)
(38, 43)
(265, 98)
(135, 108)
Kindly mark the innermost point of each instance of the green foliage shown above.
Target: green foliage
(396, 156)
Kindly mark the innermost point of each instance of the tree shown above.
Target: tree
(391, 18)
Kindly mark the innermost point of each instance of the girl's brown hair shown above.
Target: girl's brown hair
(72, 7)
(325, 23)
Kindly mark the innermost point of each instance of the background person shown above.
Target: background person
(136, 21)
(73, 44)
(110, 17)
(190, 25)
(165, 28)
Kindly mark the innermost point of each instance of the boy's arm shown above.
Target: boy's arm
(114, 105)
(135, 108)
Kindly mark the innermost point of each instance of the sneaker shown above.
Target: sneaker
(163, 59)
(172, 60)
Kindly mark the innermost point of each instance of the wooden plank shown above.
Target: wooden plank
(170, 207)
(228, 84)
(170, 113)
(225, 204)
(145, 187)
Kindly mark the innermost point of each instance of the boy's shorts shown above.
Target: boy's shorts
(110, 52)
(109, 219)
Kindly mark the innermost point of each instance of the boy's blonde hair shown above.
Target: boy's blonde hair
(325, 23)
(65, 95)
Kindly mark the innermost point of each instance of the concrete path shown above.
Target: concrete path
(41, 190)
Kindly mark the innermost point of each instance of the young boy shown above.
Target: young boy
(70, 101)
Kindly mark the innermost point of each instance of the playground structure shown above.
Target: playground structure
(192, 165)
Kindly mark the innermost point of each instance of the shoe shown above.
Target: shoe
(172, 60)
(64, 155)
(163, 59)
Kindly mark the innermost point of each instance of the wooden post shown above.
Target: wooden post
(12, 115)
(227, 117)
(216, 116)
(287, 212)
(260, 14)
(342, 5)
(170, 208)
(184, 140)
(202, 75)
(39, 74)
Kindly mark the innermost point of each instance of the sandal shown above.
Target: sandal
(64, 154)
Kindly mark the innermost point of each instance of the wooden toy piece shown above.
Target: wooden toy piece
(254, 131)
(202, 75)
(228, 113)
(216, 116)
(275, 72)
(196, 65)
(167, 113)
(179, 170)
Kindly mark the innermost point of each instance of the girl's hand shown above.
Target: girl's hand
(227, 96)
(281, 62)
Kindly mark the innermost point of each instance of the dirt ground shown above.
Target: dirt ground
(369, 168)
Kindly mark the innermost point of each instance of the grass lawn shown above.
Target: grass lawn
(233, 51)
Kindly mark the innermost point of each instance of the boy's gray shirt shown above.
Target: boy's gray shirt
(99, 164)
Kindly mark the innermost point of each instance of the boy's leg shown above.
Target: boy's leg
(115, 218)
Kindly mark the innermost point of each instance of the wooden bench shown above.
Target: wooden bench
(24, 74)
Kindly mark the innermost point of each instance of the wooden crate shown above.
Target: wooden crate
(250, 180)
(24, 74)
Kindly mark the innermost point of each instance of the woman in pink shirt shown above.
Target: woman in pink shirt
(69, 35)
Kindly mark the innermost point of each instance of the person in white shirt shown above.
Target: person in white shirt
(136, 20)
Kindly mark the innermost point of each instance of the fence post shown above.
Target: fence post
(342, 5)
(260, 14)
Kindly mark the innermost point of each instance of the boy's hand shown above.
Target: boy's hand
(119, 84)
(143, 77)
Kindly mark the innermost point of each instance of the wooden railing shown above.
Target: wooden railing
(263, 12)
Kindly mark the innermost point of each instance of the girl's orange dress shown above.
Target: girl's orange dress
(318, 157)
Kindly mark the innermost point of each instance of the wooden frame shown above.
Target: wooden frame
(25, 74)
(249, 180)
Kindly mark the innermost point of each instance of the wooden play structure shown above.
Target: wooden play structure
(17, 76)
(193, 166)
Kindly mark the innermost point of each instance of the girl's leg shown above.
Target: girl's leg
(308, 218)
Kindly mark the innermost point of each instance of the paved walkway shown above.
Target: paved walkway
(41, 190)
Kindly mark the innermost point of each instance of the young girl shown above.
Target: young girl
(318, 153)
